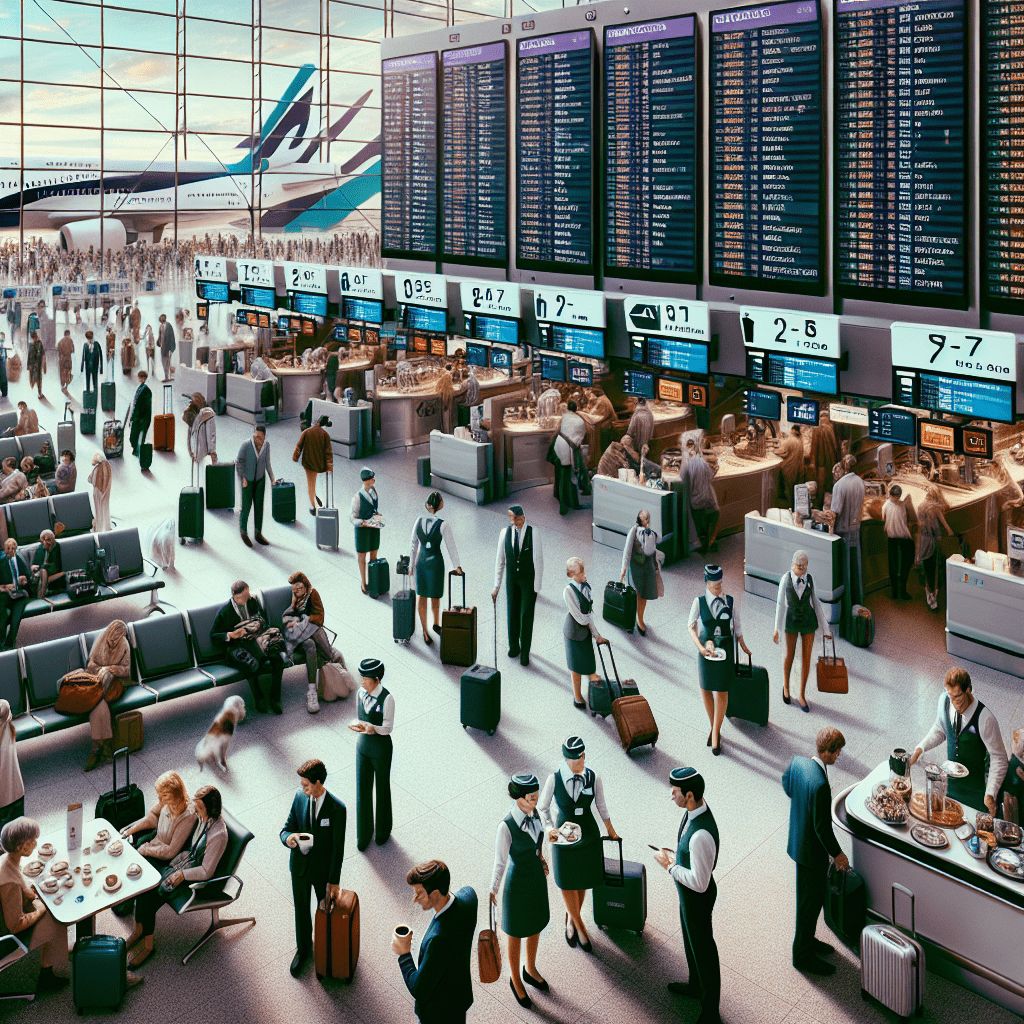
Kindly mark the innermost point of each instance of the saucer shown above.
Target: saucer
(110, 881)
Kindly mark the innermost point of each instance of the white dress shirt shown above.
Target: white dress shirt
(367, 700)
(894, 519)
(702, 858)
(446, 536)
(782, 604)
(356, 518)
(988, 727)
(451, 900)
(318, 802)
(572, 602)
(848, 505)
(548, 809)
(503, 842)
(737, 629)
(538, 557)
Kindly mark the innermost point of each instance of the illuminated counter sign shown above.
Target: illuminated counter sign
(901, 151)
(767, 148)
(651, 150)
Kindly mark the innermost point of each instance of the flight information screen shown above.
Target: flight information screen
(979, 399)
(767, 148)
(638, 382)
(492, 328)
(308, 302)
(670, 353)
(901, 151)
(265, 297)
(423, 318)
(651, 155)
(576, 341)
(362, 309)
(894, 425)
(409, 156)
(555, 152)
(820, 376)
(1002, 154)
(474, 133)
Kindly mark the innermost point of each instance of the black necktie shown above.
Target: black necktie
(958, 723)
(515, 544)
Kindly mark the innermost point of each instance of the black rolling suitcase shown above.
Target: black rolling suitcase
(87, 420)
(480, 692)
(602, 693)
(282, 501)
(378, 577)
(220, 486)
(191, 513)
(403, 606)
(620, 605)
(108, 394)
(99, 972)
(620, 900)
(125, 805)
(748, 692)
(846, 904)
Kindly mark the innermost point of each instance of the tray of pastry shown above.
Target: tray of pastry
(1007, 862)
(951, 816)
(887, 806)
(567, 834)
(929, 835)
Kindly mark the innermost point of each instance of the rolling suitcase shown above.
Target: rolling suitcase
(99, 972)
(89, 400)
(113, 439)
(124, 805)
(601, 694)
(480, 692)
(87, 421)
(845, 904)
(620, 900)
(145, 455)
(336, 936)
(108, 393)
(403, 606)
(748, 692)
(378, 577)
(635, 722)
(220, 486)
(620, 605)
(163, 425)
(128, 731)
(458, 629)
(831, 671)
(282, 501)
(66, 433)
(862, 626)
(423, 471)
(892, 964)
(327, 521)
(191, 513)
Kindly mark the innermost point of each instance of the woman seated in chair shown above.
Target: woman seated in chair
(171, 817)
(303, 622)
(24, 914)
(197, 862)
(13, 483)
(110, 660)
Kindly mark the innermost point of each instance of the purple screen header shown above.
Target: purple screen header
(648, 31)
(474, 55)
(747, 18)
(417, 62)
(560, 43)
(852, 6)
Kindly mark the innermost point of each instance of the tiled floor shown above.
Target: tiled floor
(449, 785)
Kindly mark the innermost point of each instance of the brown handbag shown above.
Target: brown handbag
(832, 675)
(78, 693)
(488, 952)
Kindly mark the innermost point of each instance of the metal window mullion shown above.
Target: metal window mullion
(325, 79)
(180, 113)
(103, 113)
(255, 125)
(21, 194)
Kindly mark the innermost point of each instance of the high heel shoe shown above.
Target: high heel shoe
(428, 639)
(538, 983)
(573, 939)
(709, 738)
(640, 629)
(586, 946)
(524, 1001)
(785, 699)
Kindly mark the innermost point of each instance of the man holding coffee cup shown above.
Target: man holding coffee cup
(315, 833)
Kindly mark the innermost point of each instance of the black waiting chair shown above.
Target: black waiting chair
(74, 510)
(210, 656)
(27, 519)
(12, 949)
(220, 891)
(163, 655)
(12, 690)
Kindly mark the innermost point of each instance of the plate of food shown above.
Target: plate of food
(1007, 833)
(929, 835)
(49, 886)
(59, 867)
(888, 806)
(955, 770)
(34, 868)
(567, 834)
(116, 848)
(47, 850)
(101, 837)
(718, 654)
(133, 870)
(1007, 862)
(355, 725)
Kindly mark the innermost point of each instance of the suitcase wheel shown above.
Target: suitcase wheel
(491, 732)
(181, 540)
(464, 728)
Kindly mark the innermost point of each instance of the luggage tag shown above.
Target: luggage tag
(325, 822)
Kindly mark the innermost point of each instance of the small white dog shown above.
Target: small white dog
(213, 747)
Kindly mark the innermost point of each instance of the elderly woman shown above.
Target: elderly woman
(196, 862)
(24, 914)
(640, 560)
(579, 629)
(303, 622)
(12, 788)
(110, 661)
(100, 478)
(13, 482)
(66, 476)
(28, 421)
(202, 431)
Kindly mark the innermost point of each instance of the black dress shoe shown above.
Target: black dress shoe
(524, 1001)
(689, 989)
(573, 939)
(436, 628)
(275, 706)
(298, 962)
(586, 947)
(785, 699)
(246, 541)
(524, 658)
(513, 653)
(823, 948)
(641, 631)
(535, 982)
(814, 965)
(717, 750)
(260, 539)
(580, 705)
(709, 737)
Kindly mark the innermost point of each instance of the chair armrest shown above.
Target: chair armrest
(15, 954)
(147, 561)
(196, 886)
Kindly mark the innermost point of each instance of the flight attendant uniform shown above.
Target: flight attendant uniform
(577, 629)
(524, 901)
(580, 865)
(716, 622)
(373, 759)
(367, 537)
(426, 555)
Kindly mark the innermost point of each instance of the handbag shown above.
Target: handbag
(832, 674)
(270, 641)
(488, 952)
(657, 578)
(79, 583)
(334, 682)
(78, 692)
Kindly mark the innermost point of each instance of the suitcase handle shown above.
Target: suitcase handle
(747, 670)
(127, 771)
(612, 879)
(455, 572)
(906, 892)
(69, 413)
(168, 387)
(824, 648)
(600, 644)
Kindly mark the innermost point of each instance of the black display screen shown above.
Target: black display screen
(474, 147)
(651, 151)
(476, 355)
(670, 353)
(492, 328)
(308, 302)
(423, 318)
(575, 341)
(212, 291)
(555, 152)
(409, 156)
(979, 399)
(901, 151)
(762, 405)
(581, 373)
(800, 372)
(552, 367)
(638, 382)
(265, 298)
(362, 309)
(802, 411)
(1002, 156)
(767, 148)
(895, 425)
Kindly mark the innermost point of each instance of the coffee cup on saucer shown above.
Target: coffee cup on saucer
(304, 841)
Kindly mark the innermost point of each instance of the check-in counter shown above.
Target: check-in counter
(966, 915)
(768, 556)
(616, 504)
(407, 418)
(526, 455)
(984, 612)
(297, 388)
(189, 381)
(462, 467)
(245, 397)
(351, 429)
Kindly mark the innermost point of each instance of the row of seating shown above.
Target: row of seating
(28, 444)
(172, 656)
(27, 519)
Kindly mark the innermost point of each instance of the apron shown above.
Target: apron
(524, 900)
(580, 866)
(969, 749)
(367, 537)
(716, 675)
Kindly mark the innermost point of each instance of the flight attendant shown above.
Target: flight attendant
(574, 789)
(579, 629)
(524, 901)
(364, 508)
(427, 562)
(520, 560)
(376, 708)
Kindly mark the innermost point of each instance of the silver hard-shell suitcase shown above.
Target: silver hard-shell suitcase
(892, 964)
(328, 520)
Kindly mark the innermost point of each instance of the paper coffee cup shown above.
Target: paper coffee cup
(402, 931)
(305, 842)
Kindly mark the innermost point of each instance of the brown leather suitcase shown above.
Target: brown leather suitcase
(832, 674)
(458, 629)
(336, 937)
(163, 427)
(635, 722)
(128, 730)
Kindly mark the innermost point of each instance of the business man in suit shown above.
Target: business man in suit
(812, 842)
(520, 560)
(140, 414)
(317, 812)
(441, 979)
(92, 362)
(14, 573)
(253, 466)
(165, 342)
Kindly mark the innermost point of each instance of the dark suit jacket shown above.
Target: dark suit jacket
(811, 838)
(92, 358)
(142, 410)
(323, 862)
(5, 568)
(442, 983)
(227, 622)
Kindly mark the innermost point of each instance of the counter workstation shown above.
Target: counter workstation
(462, 467)
(526, 445)
(247, 397)
(984, 611)
(188, 381)
(298, 386)
(351, 427)
(967, 915)
(616, 504)
(768, 555)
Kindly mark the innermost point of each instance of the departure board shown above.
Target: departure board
(767, 148)
(409, 156)
(555, 152)
(901, 151)
(651, 155)
(474, 135)
(1002, 149)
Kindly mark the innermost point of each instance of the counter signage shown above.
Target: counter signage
(573, 306)
(25, 292)
(490, 297)
(365, 284)
(937, 436)
(211, 268)
(689, 319)
(976, 441)
(786, 330)
(989, 355)
(853, 415)
(255, 273)
(422, 289)
(305, 277)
